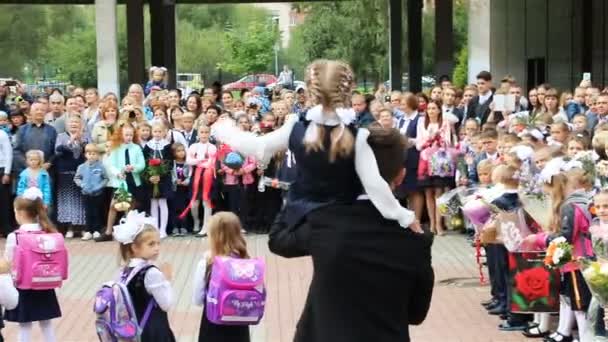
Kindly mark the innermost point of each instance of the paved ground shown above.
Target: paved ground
(455, 314)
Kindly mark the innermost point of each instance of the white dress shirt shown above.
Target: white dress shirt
(156, 285)
(6, 153)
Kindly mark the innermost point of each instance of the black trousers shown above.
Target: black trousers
(5, 202)
(94, 217)
(232, 194)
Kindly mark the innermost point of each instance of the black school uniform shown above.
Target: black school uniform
(160, 150)
(157, 328)
(33, 306)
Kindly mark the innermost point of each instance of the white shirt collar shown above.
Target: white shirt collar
(492, 156)
(30, 227)
(484, 98)
(134, 262)
(342, 116)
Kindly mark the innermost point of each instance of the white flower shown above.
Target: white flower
(604, 269)
(560, 239)
(557, 256)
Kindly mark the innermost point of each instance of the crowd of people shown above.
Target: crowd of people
(284, 161)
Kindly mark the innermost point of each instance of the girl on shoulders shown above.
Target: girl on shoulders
(147, 284)
(34, 305)
(35, 176)
(225, 239)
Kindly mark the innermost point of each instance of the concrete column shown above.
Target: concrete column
(479, 37)
(395, 57)
(107, 47)
(162, 22)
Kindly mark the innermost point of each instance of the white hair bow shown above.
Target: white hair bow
(522, 152)
(32, 194)
(131, 225)
(552, 168)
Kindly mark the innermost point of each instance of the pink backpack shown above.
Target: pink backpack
(40, 260)
(236, 294)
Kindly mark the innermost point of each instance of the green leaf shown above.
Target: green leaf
(519, 300)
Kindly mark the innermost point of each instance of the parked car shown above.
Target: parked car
(296, 85)
(250, 81)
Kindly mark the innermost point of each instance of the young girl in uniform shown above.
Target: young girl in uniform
(139, 248)
(332, 163)
(566, 185)
(202, 155)
(159, 148)
(124, 164)
(181, 174)
(34, 305)
(225, 239)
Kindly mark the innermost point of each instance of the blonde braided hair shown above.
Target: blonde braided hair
(330, 84)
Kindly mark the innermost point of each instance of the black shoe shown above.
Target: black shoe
(493, 305)
(557, 337)
(534, 332)
(488, 302)
(512, 326)
(504, 316)
(497, 311)
(104, 238)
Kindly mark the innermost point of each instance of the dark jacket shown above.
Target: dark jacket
(371, 278)
(365, 118)
(479, 111)
(25, 142)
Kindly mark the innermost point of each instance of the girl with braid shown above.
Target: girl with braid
(335, 161)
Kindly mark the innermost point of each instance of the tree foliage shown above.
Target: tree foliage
(251, 49)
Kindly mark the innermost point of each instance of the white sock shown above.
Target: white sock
(164, 216)
(47, 330)
(566, 317)
(543, 321)
(25, 332)
(584, 333)
(195, 217)
(207, 216)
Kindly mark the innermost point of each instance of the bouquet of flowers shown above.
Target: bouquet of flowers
(599, 236)
(122, 199)
(449, 204)
(559, 253)
(155, 168)
(602, 172)
(595, 274)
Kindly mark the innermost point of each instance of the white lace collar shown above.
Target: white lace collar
(134, 262)
(157, 145)
(341, 116)
(30, 227)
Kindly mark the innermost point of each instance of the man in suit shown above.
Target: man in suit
(372, 278)
(450, 111)
(479, 106)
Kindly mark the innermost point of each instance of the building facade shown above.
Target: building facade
(540, 41)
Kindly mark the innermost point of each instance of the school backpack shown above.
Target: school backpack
(116, 318)
(40, 260)
(236, 294)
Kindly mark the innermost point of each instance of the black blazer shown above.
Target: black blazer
(479, 111)
(371, 278)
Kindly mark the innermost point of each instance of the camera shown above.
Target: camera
(387, 98)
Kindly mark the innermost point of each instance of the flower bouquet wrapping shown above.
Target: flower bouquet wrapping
(534, 288)
(449, 204)
(122, 199)
(559, 253)
(155, 168)
(512, 230)
(595, 274)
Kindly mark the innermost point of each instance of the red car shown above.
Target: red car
(250, 81)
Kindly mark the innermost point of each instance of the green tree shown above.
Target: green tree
(461, 70)
(251, 49)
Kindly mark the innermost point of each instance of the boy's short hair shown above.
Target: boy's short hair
(91, 148)
(484, 75)
(505, 174)
(489, 126)
(188, 115)
(509, 138)
(580, 115)
(389, 147)
(489, 134)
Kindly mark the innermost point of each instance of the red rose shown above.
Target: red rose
(154, 162)
(533, 283)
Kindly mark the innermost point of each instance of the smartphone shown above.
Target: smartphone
(587, 76)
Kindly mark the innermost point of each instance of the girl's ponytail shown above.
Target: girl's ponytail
(43, 218)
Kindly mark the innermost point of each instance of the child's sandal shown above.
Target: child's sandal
(557, 337)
